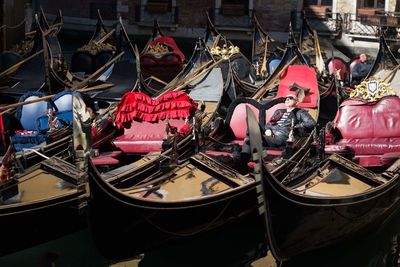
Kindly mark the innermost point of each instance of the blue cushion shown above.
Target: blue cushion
(21, 141)
(27, 114)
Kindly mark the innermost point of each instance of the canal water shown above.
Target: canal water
(237, 244)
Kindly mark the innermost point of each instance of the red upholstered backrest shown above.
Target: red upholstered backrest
(386, 117)
(269, 112)
(337, 64)
(304, 76)
(238, 123)
(146, 131)
(368, 121)
(171, 43)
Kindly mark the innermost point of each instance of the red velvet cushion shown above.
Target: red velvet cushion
(144, 137)
(238, 122)
(354, 121)
(304, 76)
(386, 117)
(368, 121)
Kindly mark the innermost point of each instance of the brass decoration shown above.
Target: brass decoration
(94, 48)
(225, 52)
(158, 49)
(372, 90)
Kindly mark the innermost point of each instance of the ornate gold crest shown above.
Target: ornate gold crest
(372, 90)
(158, 49)
(225, 52)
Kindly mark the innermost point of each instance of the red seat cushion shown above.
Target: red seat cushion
(371, 130)
(144, 137)
(107, 158)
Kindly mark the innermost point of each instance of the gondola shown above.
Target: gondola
(331, 93)
(139, 132)
(264, 50)
(44, 200)
(22, 52)
(345, 190)
(161, 61)
(174, 199)
(48, 72)
(238, 66)
(96, 52)
(123, 74)
(385, 66)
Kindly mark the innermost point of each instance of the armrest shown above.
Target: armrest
(219, 130)
(329, 133)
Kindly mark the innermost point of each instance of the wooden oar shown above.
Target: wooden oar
(262, 90)
(105, 37)
(83, 90)
(97, 72)
(156, 79)
(176, 80)
(391, 73)
(192, 77)
(18, 64)
(199, 74)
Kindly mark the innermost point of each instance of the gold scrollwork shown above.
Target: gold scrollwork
(158, 49)
(372, 90)
(225, 52)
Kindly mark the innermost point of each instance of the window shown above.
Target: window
(317, 3)
(234, 7)
(372, 3)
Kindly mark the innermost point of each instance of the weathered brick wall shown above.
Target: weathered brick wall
(274, 15)
(193, 13)
(72, 8)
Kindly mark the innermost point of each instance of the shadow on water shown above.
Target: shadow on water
(379, 248)
(236, 244)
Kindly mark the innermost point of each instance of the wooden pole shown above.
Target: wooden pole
(175, 80)
(47, 97)
(18, 64)
(97, 72)
(262, 90)
(391, 73)
(105, 37)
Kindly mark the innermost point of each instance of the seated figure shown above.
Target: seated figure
(277, 130)
(360, 70)
(286, 121)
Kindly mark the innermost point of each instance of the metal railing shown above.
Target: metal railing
(221, 18)
(334, 24)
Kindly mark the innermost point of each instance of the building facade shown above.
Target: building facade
(350, 22)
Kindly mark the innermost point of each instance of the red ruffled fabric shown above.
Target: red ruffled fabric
(140, 107)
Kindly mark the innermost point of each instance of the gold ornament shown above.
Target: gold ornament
(372, 90)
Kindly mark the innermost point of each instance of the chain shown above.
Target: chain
(13, 27)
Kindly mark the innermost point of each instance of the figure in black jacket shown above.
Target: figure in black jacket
(278, 128)
(360, 70)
